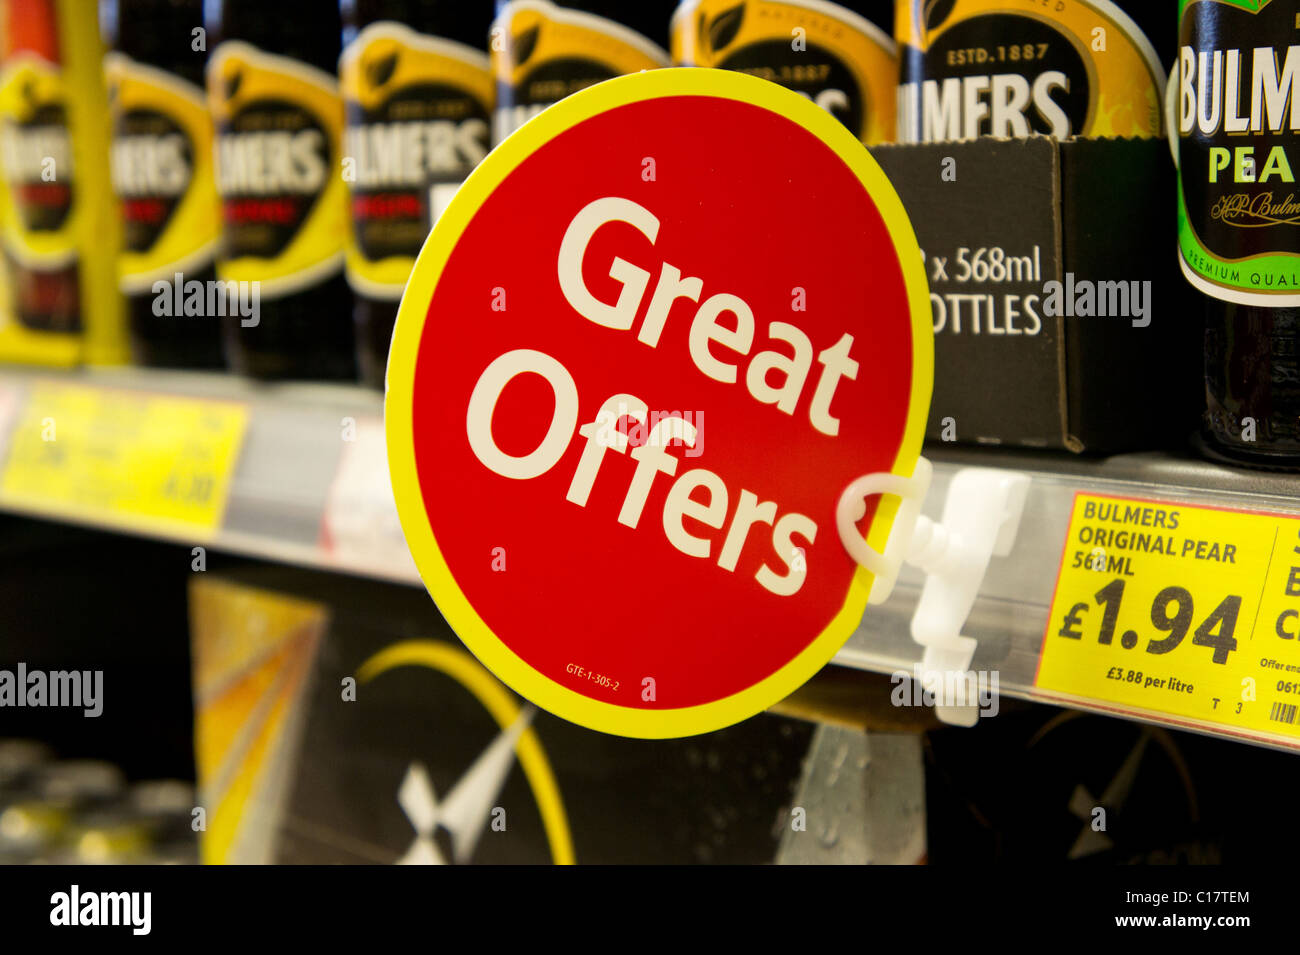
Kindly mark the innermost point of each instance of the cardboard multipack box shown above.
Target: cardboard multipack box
(1061, 319)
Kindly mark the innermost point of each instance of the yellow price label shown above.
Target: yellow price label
(157, 463)
(1189, 612)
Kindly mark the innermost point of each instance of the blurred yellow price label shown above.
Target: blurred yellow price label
(1189, 612)
(150, 462)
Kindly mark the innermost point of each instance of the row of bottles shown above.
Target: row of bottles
(335, 136)
(277, 166)
(84, 812)
(275, 163)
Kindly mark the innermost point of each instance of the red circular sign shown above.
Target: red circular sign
(653, 338)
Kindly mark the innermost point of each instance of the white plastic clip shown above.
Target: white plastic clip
(853, 507)
(980, 519)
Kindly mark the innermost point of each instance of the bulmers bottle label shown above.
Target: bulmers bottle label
(1237, 105)
(38, 204)
(841, 61)
(162, 169)
(1011, 68)
(542, 52)
(418, 113)
(278, 125)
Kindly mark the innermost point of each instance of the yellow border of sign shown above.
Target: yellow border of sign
(465, 670)
(437, 577)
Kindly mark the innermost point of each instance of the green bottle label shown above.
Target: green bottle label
(1237, 108)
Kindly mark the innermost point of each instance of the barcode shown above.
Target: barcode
(1283, 713)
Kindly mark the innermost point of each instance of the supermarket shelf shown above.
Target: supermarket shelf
(310, 487)
(1010, 616)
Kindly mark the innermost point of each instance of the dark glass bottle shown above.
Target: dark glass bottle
(278, 116)
(1252, 373)
(988, 68)
(413, 73)
(544, 51)
(45, 297)
(162, 174)
(1238, 235)
(840, 55)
